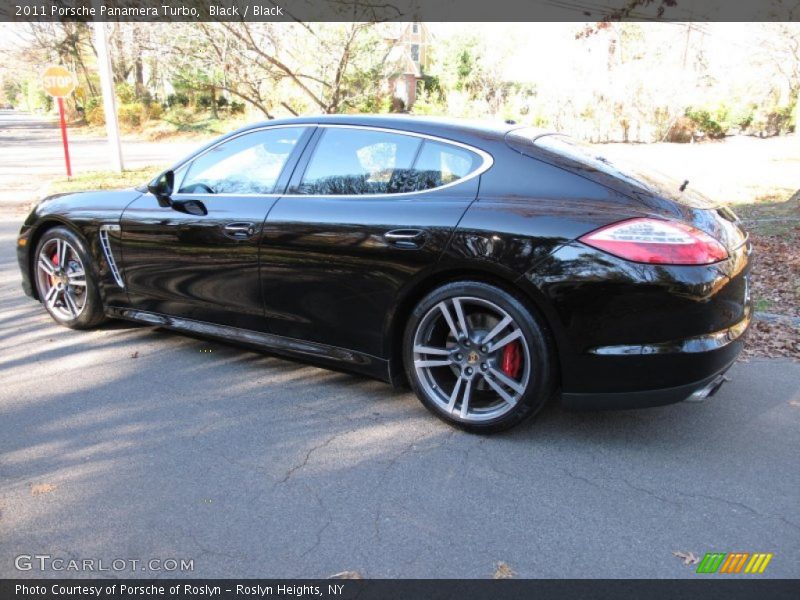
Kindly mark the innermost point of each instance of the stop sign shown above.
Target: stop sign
(58, 81)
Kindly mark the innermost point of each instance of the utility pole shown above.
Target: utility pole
(109, 98)
(686, 46)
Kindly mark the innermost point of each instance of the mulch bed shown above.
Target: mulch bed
(773, 340)
(776, 271)
(776, 289)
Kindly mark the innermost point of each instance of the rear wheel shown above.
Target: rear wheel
(65, 280)
(477, 357)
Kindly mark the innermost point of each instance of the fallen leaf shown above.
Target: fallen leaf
(503, 571)
(41, 488)
(772, 339)
(347, 575)
(775, 289)
(688, 558)
(775, 271)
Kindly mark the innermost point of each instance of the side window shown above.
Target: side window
(437, 164)
(358, 161)
(440, 164)
(247, 164)
(351, 161)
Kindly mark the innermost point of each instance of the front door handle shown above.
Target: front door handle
(240, 231)
(405, 238)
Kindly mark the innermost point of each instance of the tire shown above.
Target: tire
(72, 299)
(503, 368)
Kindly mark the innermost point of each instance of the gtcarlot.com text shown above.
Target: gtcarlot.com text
(47, 562)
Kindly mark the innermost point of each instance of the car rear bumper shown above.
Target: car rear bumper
(697, 366)
(633, 335)
(645, 398)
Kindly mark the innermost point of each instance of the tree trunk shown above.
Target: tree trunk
(797, 115)
(797, 120)
(119, 66)
(138, 74)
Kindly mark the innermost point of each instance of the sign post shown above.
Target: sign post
(59, 82)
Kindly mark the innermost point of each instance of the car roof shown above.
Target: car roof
(469, 131)
(445, 126)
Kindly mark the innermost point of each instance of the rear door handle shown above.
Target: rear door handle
(240, 231)
(405, 238)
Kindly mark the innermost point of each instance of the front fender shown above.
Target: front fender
(83, 212)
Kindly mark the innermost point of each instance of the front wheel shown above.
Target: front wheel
(65, 280)
(477, 357)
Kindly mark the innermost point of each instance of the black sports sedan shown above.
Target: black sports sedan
(489, 266)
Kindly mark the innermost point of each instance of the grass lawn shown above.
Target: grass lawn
(104, 180)
(173, 127)
(770, 214)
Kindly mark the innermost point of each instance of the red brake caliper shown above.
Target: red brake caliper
(512, 359)
(54, 260)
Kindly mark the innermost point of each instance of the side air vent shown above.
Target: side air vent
(107, 251)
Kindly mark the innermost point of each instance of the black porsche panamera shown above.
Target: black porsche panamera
(489, 266)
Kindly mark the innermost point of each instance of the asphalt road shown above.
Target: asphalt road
(31, 153)
(136, 444)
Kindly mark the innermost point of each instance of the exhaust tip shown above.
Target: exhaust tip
(708, 390)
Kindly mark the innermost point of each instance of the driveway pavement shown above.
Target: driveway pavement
(133, 443)
(136, 444)
(31, 153)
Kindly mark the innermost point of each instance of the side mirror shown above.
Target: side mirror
(161, 188)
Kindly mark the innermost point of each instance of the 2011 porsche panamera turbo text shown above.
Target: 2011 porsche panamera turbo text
(489, 266)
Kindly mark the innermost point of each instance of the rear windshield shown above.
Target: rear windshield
(589, 156)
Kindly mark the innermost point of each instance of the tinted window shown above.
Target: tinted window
(437, 164)
(359, 161)
(449, 163)
(636, 174)
(247, 164)
(589, 158)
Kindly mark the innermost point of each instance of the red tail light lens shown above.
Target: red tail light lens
(657, 242)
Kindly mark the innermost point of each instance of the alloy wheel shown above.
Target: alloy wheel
(471, 358)
(62, 279)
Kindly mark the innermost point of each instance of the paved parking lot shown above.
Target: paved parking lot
(134, 443)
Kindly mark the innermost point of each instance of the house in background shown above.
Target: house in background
(406, 59)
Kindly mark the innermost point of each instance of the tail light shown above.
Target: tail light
(657, 242)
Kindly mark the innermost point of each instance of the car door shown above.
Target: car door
(198, 258)
(367, 211)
